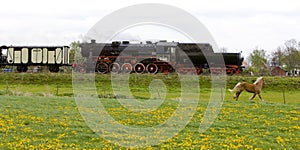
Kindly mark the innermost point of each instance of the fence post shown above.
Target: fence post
(222, 94)
(283, 94)
(57, 90)
(158, 93)
(6, 87)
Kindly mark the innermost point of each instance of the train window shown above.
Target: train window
(160, 49)
(167, 50)
(172, 49)
(164, 58)
(4, 52)
(173, 54)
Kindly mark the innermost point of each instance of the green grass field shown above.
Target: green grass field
(38, 111)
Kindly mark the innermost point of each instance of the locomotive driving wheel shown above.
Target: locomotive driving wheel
(102, 67)
(114, 67)
(139, 68)
(126, 68)
(152, 68)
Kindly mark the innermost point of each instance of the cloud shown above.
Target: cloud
(236, 25)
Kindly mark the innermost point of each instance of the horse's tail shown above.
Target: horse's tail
(236, 87)
(230, 90)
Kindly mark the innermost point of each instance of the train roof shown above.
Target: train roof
(13, 46)
(149, 44)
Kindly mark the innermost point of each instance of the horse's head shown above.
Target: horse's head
(260, 80)
(263, 81)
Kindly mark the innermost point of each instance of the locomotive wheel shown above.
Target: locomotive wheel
(152, 68)
(102, 67)
(139, 68)
(53, 68)
(22, 68)
(114, 68)
(126, 68)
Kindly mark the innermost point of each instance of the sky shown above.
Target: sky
(235, 24)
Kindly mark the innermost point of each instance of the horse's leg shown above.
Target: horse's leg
(260, 97)
(252, 97)
(237, 96)
(234, 96)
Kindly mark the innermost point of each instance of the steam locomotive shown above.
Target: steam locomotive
(24, 56)
(158, 57)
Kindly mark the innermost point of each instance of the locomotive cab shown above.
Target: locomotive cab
(166, 51)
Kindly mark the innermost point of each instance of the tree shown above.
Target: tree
(292, 55)
(75, 55)
(258, 60)
(278, 57)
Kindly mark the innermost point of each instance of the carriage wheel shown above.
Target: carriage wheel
(22, 68)
(139, 68)
(102, 67)
(53, 68)
(126, 68)
(114, 68)
(152, 68)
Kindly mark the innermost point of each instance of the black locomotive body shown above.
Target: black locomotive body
(159, 57)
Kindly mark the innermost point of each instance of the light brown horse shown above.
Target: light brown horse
(254, 88)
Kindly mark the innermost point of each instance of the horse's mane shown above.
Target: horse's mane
(258, 80)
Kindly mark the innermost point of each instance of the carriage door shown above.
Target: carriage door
(10, 55)
(65, 55)
(58, 55)
(36, 55)
(45, 55)
(24, 54)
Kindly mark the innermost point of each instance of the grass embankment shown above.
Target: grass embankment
(60, 84)
(37, 120)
